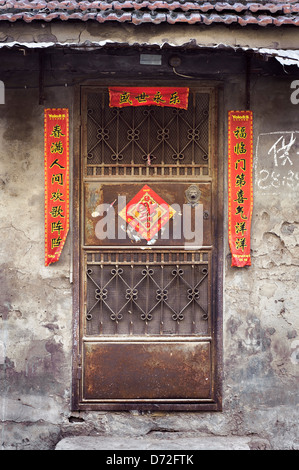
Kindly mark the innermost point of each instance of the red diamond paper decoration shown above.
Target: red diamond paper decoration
(147, 213)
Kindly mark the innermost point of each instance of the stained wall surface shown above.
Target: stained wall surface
(260, 314)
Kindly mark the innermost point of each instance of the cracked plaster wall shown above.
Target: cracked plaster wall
(261, 344)
(175, 35)
(35, 305)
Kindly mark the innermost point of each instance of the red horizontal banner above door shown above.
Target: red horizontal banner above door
(174, 97)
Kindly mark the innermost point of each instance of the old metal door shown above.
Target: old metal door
(148, 307)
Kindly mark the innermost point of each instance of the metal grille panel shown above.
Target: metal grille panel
(143, 141)
(147, 293)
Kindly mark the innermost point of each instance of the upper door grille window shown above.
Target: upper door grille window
(149, 140)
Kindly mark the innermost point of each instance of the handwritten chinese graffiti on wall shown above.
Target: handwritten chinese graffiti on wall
(240, 197)
(277, 162)
(56, 135)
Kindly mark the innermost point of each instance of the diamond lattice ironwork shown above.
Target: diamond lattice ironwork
(148, 294)
(131, 141)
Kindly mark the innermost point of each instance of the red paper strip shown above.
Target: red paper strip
(175, 97)
(240, 192)
(56, 135)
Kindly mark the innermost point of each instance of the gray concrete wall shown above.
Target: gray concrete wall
(260, 327)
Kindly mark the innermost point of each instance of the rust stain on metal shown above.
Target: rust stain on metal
(147, 371)
(107, 193)
(147, 316)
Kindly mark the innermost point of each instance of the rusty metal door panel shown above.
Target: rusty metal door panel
(101, 196)
(148, 256)
(147, 371)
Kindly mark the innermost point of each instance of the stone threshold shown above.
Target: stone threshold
(144, 443)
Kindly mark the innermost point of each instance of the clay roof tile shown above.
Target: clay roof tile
(263, 12)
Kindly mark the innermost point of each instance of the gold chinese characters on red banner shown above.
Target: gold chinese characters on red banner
(56, 136)
(175, 97)
(240, 193)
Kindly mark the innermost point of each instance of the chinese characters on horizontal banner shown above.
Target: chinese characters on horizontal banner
(175, 97)
(240, 197)
(56, 135)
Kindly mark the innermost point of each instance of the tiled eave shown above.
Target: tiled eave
(263, 13)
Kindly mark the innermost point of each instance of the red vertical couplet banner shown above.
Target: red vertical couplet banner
(240, 192)
(56, 136)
